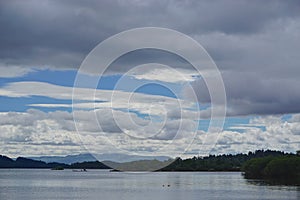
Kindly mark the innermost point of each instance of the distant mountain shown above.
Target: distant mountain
(20, 162)
(122, 158)
(6, 162)
(66, 159)
(114, 157)
(140, 165)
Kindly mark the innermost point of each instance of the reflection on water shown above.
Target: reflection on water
(286, 184)
(102, 184)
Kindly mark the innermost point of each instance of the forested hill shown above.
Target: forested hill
(6, 162)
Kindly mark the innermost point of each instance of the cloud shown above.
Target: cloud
(60, 34)
(86, 98)
(58, 129)
(251, 94)
(14, 71)
(54, 133)
(159, 72)
(35, 132)
(277, 134)
(257, 54)
(259, 72)
(129, 120)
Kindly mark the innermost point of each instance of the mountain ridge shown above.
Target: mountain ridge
(21, 162)
(87, 157)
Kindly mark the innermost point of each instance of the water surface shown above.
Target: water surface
(35, 184)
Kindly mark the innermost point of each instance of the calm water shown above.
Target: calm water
(102, 184)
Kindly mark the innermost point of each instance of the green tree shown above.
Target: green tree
(255, 167)
(283, 168)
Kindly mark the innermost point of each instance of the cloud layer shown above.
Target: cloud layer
(257, 53)
(254, 44)
(35, 133)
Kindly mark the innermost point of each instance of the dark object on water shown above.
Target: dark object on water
(57, 168)
(82, 170)
(114, 170)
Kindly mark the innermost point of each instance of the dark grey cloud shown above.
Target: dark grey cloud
(260, 72)
(60, 33)
(143, 56)
(254, 94)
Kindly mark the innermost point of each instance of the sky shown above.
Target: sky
(141, 105)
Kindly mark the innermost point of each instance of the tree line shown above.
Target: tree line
(225, 162)
(282, 169)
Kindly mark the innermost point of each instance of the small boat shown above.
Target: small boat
(114, 170)
(81, 170)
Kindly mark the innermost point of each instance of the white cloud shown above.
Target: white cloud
(277, 134)
(159, 72)
(143, 103)
(168, 128)
(57, 129)
(13, 71)
(35, 132)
